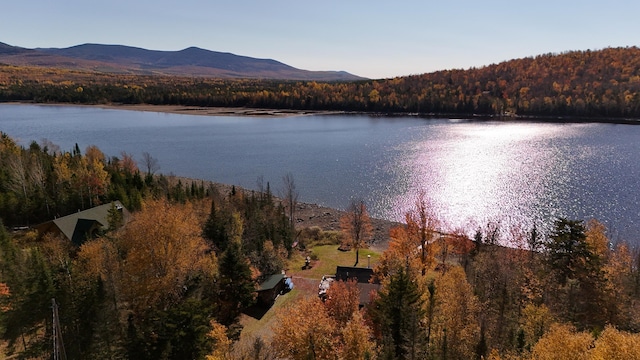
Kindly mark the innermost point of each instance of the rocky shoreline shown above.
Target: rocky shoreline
(216, 111)
(310, 215)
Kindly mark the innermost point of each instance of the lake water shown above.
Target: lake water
(515, 173)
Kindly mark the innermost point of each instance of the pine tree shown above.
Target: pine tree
(214, 229)
(577, 269)
(398, 312)
(235, 286)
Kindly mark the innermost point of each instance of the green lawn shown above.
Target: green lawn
(260, 328)
(328, 258)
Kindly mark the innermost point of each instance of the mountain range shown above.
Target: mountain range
(192, 61)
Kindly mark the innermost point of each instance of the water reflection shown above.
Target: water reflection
(514, 173)
(498, 172)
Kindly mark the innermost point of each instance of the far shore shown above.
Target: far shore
(280, 113)
(216, 111)
(194, 110)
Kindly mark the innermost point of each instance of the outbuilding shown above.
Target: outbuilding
(273, 286)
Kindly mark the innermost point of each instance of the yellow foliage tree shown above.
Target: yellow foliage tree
(96, 177)
(421, 224)
(455, 321)
(357, 338)
(563, 342)
(621, 288)
(99, 258)
(343, 299)
(164, 249)
(616, 345)
(597, 238)
(221, 342)
(535, 322)
(403, 250)
(305, 331)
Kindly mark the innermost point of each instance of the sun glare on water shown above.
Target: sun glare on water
(479, 174)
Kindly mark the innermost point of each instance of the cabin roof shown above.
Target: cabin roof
(271, 282)
(361, 275)
(75, 226)
(366, 292)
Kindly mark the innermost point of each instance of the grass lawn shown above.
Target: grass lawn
(328, 258)
(261, 328)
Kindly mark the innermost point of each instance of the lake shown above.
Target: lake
(516, 173)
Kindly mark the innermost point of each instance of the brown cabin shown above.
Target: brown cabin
(269, 290)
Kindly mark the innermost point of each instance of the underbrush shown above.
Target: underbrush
(315, 236)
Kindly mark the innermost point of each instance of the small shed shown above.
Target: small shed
(269, 290)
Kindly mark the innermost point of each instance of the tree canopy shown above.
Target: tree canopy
(595, 84)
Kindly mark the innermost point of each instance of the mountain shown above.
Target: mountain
(191, 61)
(601, 84)
(6, 49)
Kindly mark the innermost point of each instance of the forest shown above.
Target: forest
(174, 281)
(601, 84)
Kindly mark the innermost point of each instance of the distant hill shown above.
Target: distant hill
(598, 84)
(191, 61)
(590, 83)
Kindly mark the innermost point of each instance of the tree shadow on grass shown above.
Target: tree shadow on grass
(257, 310)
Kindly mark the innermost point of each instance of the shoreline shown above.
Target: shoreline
(215, 111)
(310, 215)
(193, 110)
(281, 113)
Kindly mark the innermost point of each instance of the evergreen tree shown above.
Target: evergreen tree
(214, 229)
(235, 286)
(31, 296)
(578, 277)
(399, 311)
(115, 218)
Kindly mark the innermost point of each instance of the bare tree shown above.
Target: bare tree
(150, 163)
(427, 224)
(290, 196)
(18, 175)
(356, 226)
(49, 147)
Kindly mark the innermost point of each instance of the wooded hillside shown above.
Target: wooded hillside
(594, 84)
(176, 279)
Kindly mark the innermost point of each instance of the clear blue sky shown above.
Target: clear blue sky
(375, 39)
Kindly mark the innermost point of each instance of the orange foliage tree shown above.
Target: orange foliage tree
(305, 331)
(356, 227)
(164, 250)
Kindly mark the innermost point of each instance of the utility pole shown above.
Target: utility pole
(58, 344)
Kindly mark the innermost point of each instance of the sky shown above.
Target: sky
(374, 39)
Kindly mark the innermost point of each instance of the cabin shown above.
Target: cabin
(83, 225)
(362, 276)
(273, 286)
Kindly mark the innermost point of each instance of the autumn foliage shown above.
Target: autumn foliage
(173, 282)
(603, 83)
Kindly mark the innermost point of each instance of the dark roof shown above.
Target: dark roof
(84, 228)
(361, 275)
(366, 291)
(76, 226)
(271, 282)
